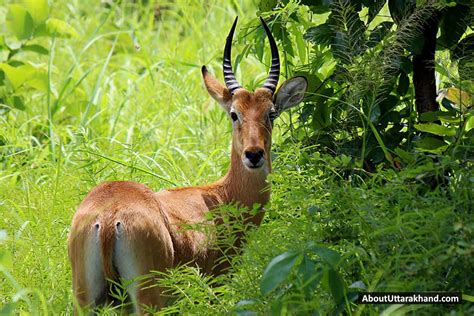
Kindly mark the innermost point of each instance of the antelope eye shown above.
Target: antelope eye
(234, 116)
(272, 115)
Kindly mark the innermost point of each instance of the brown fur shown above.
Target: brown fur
(154, 222)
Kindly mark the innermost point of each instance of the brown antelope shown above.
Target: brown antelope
(123, 230)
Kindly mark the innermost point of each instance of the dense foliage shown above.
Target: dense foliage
(373, 177)
(362, 62)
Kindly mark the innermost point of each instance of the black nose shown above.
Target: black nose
(254, 156)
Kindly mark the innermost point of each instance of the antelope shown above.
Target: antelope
(123, 230)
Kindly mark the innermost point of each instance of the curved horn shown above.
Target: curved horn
(229, 77)
(272, 80)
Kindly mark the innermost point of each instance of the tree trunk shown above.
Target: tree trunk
(424, 68)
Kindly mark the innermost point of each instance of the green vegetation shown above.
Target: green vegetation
(369, 191)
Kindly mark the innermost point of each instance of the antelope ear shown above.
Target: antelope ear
(290, 93)
(217, 90)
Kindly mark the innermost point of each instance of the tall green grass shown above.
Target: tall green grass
(393, 230)
(127, 102)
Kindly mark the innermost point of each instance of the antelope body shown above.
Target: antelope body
(125, 230)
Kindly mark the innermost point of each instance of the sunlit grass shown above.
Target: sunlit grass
(128, 103)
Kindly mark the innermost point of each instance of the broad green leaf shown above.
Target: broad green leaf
(300, 44)
(26, 74)
(60, 28)
(469, 123)
(322, 116)
(437, 115)
(469, 298)
(41, 30)
(435, 129)
(260, 43)
(431, 144)
(307, 268)
(450, 119)
(19, 21)
(309, 274)
(18, 103)
(442, 69)
(35, 48)
(328, 255)
(405, 155)
(38, 9)
(243, 308)
(39, 80)
(278, 270)
(336, 285)
(17, 75)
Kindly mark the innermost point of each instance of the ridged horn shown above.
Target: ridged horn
(229, 77)
(272, 80)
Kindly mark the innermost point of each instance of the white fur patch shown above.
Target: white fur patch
(94, 269)
(126, 262)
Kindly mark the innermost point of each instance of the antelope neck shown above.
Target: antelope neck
(246, 186)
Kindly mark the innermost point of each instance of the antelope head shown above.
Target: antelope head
(252, 113)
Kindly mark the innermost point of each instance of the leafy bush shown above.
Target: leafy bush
(363, 84)
(327, 237)
(26, 23)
